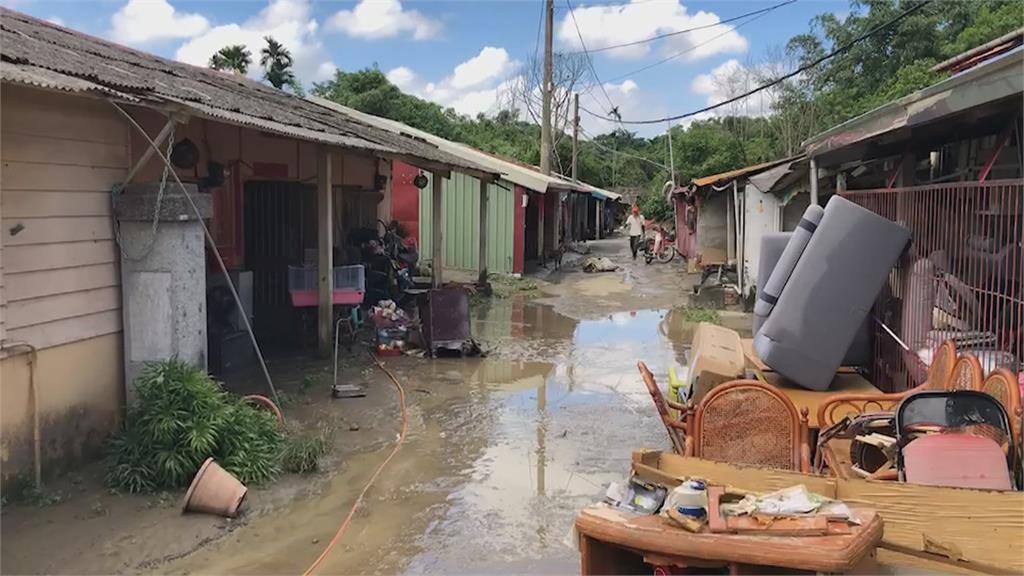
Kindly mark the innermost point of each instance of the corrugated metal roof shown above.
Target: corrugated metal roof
(988, 82)
(731, 175)
(74, 61)
(526, 176)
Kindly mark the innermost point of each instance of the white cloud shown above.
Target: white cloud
(473, 87)
(608, 25)
(632, 102)
(144, 21)
(325, 71)
(288, 21)
(375, 19)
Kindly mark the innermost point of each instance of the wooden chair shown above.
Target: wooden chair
(1002, 385)
(967, 374)
(674, 427)
(747, 422)
(840, 406)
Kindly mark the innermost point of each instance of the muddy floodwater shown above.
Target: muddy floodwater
(501, 451)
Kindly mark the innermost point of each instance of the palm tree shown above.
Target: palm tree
(277, 65)
(234, 58)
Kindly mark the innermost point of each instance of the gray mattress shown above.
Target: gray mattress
(827, 295)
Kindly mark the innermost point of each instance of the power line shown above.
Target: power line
(842, 49)
(619, 152)
(678, 32)
(572, 14)
(688, 50)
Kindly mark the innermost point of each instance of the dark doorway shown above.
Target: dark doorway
(533, 208)
(280, 228)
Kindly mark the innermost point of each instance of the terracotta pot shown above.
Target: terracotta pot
(214, 491)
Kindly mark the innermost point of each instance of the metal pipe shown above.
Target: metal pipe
(37, 465)
(213, 248)
(813, 172)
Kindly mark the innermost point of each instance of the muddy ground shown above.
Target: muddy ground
(501, 451)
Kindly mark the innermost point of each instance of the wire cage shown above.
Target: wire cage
(349, 285)
(961, 278)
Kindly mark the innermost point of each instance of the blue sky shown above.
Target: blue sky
(465, 54)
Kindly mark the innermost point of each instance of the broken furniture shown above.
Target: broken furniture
(674, 426)
(829, 293)
(976, 427)
(613, 541)
(716, 357)
(927, 528)
(747, 422)
(444, 313)
(1002, 385)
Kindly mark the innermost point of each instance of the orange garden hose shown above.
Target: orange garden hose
(355, 505)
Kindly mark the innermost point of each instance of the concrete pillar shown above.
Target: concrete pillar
(325, 251)
(163, 277)
(813, 174)
(482, 279)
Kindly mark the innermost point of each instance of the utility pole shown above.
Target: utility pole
(575, 132)
(545, 128)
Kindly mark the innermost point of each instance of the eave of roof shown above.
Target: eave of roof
(725, 177)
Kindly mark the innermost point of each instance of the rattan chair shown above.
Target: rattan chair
(674, 427)
(941, 370)
(747, 422)
(967, 374)
(1002, 385)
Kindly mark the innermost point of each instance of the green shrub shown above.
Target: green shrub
(181, 417)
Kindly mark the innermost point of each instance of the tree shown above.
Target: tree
(276, 61)
(234, 58)
(570, 73)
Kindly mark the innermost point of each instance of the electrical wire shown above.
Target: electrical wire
(343, 527)
(693, 48)
(590, 61)
(679, 32)
(842, 49)
(593, 142)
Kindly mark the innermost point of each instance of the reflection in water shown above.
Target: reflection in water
(567, 395)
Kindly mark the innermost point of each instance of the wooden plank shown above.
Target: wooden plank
(325, 249)
(57, 150)
(59, 229)
(35, 257)
(59, 306)
(35, 112)
(35, 176)
(750, 478)
(985, 526)
(26, 285)
(37, 204)
(69, 329)
(843, 383)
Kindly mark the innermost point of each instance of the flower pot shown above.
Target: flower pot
(214, 491)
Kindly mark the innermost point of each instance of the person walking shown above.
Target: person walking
(635, 225)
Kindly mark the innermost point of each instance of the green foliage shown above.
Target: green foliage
(233, 58)
(701, 315)
(276, 61)
(24, 491)
(179, 418)
(506, 285)
(655, 206)
(302, 451)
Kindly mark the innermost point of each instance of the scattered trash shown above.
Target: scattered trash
(601, 264)
(689, 499)
(578, 248)
(214, 490)
(347, 391)
(637, 496)
(793, 501)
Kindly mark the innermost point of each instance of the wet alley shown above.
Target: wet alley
(500, 454)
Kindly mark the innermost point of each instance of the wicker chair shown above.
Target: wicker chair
(839, 406)
(1002, 385)
(967, 374)
(747, 422)
(674, 427)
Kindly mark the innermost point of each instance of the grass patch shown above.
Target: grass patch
(24, 491)
(506, 285)
(696, 315)
(302, 450)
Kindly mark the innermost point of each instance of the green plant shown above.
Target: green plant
(181, 417)
(302, 452)
(701, 315)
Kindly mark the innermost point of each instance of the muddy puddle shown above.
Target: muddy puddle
(500, 454)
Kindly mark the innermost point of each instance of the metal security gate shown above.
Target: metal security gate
(279, 225)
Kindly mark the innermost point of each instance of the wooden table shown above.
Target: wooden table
(846, 381)
(617, 542)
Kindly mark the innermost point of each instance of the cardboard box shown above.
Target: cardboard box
(717, 357)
